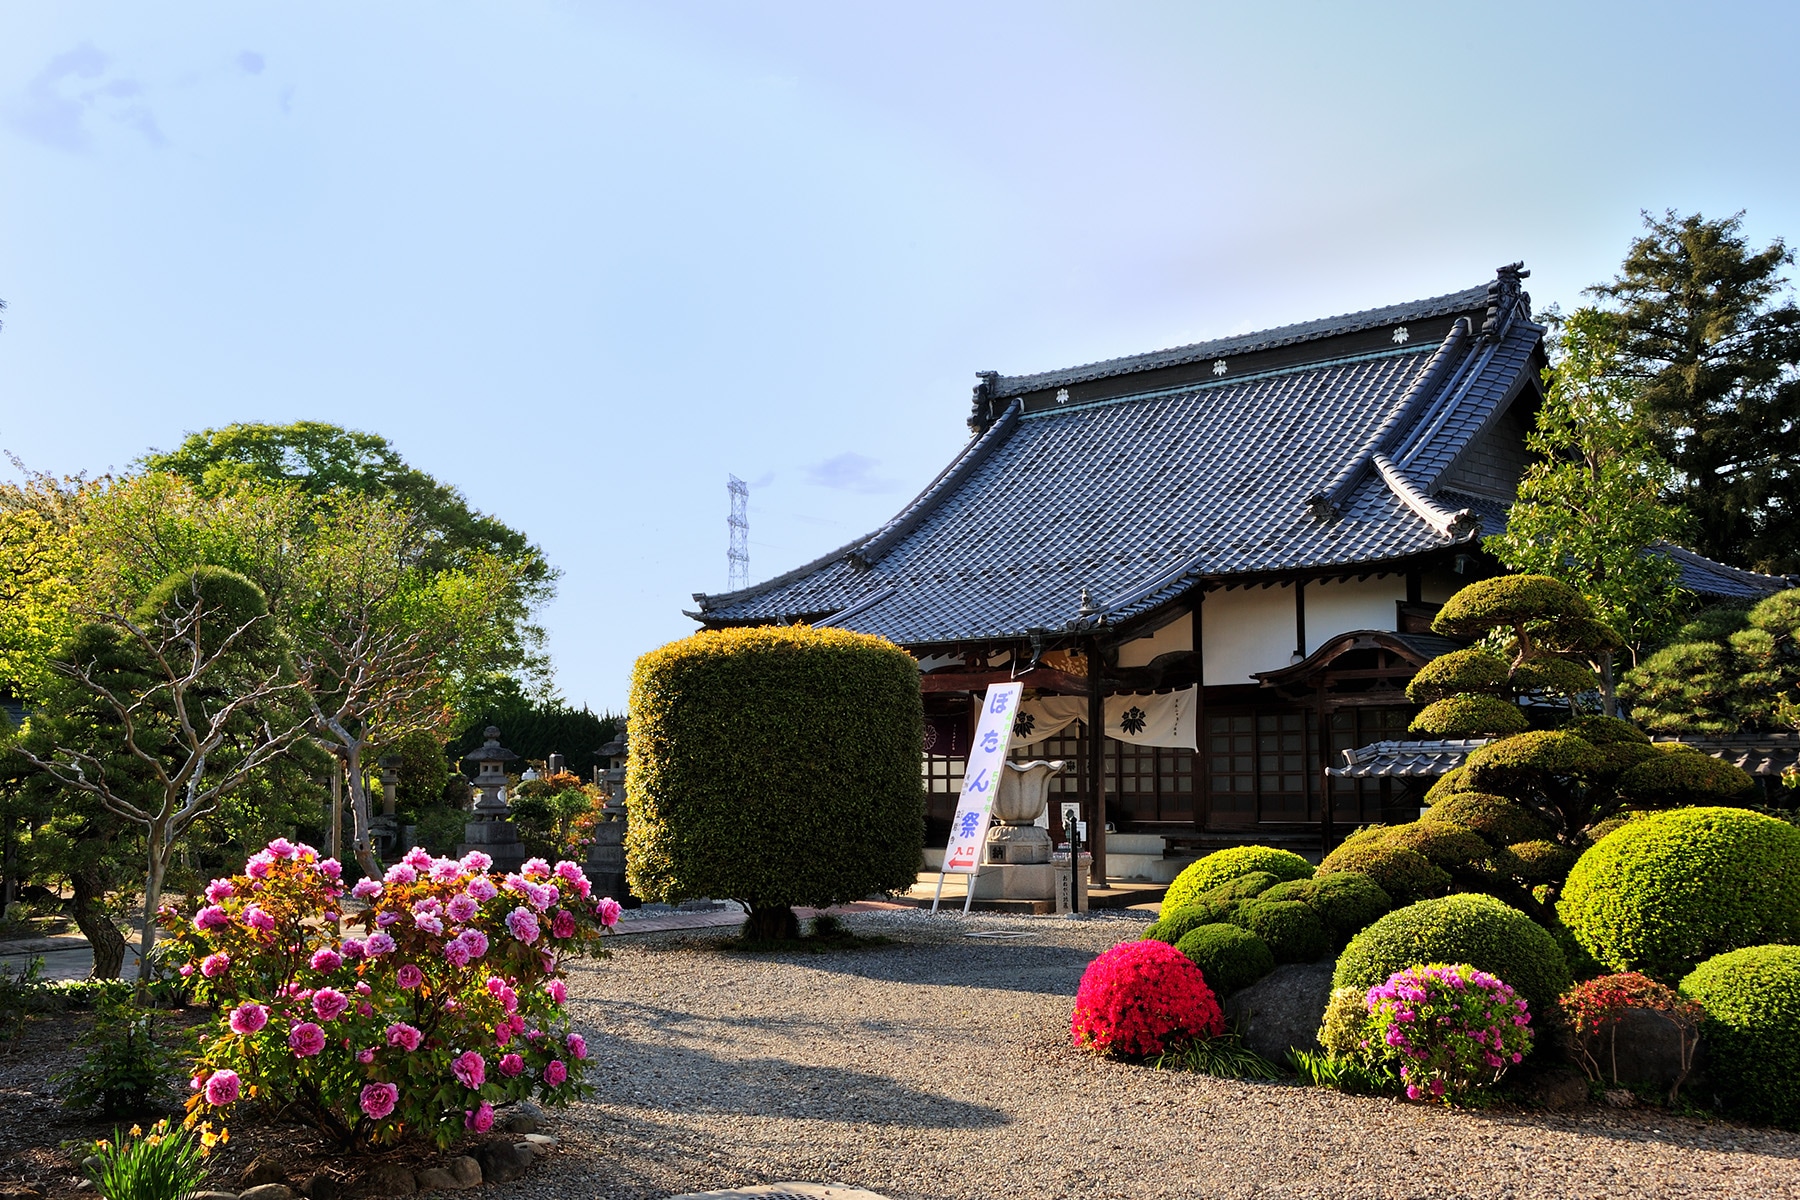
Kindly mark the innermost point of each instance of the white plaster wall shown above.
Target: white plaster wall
(1334, 608)
(1176, 635)
(1245, 630)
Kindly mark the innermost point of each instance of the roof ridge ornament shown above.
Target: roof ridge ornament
(982, 413)
(1504, 299)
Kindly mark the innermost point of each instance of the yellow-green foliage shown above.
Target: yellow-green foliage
(1554, 677)
(1223, 866)
(1345, 1015)
(1535, 862)
(1543, 751)
(1680, 775)
(776, 765)
(1666, 892)
(1229, 958)
(1456, 673)
(1606, 731)
(1444, 843)
(1752, 1030)
(1498, 820)
(1452, 782)
(1405, 875)
(1508, 600)
(1292, 931)
(1175, 923)
(1474, 929)
(1469, 716)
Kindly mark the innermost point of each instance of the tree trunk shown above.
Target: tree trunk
(1608, 689)
(89, 911)
(363, 842)
(771, 923)
(153, 885)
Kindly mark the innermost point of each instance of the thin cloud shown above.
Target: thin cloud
(251, 62)
(849, 472)
(54, 107)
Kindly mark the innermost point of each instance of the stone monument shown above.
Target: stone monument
(490, 828)
(1017, 863)
(605, 867)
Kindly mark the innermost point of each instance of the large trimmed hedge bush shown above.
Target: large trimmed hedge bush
(1465, 928)
(777, 766)
(1230, 958)
(1664, 893)
(1405, 875)
(1752, 1030)
(1223, 866)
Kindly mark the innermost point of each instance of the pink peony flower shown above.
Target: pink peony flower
(378, 944)
(463, 908)
(218, 889)
(470, 1069)
(387, 920)
(366, 889)
(482, 889)
(559, 991)
(400, 873)
(256, 918)
(568, 872)
(365, 1057)
(378, 1100)
(330, 868)
(564, 924)
(418, 858)
(329, 1003)
(555, 1072)
(577, 1046)
(363, 988)
(445, 870)
(474, 942)
(326, 959)
(502, 1034)
(481, 1119)
(456, 953)
(429, 922)
(409, 976)
(258, 864)
(523, 925)
(404, 1036)
(366, 1009)
(511, 1065)
(352, 948)
(535, 868)
(211, 917)
(475, 862)
(187, 969)
(249, 1017)
(306, 1039)
(281, 848)
(222, 1088)
(608, 911)
(215, 965)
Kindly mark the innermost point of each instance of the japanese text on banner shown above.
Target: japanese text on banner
(981, 778)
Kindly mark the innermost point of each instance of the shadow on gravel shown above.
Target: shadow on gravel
(1647, 1126)
(1009, 966)
(684, 1079)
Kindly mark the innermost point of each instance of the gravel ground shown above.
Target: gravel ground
(938, 1067)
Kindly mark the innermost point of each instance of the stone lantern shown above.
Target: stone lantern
(605, 867)
(490, 828)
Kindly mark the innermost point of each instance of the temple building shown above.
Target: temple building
(1214, 567)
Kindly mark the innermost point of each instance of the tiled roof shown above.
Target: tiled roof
(1708, 578)
(1406, 759)
(1137, 497)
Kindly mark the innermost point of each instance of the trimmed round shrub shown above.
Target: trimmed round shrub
(1405, 875)
(1229, 957)
(1173, 923)
(1499, 821)
(1666, 892)
(1616, 758)
(1508, 600)
(1468, 928)
(1536, 862)
(1469, 716)
(1348, 901)
(777, 766)
(1554, 676)
(1606, 731)
(1241, 888)
(1676, 774)
(1458, 673)
(1540, 752)
(1289, 928)
(1222, 866)
(1141, 998)
(1453, 782)
(1444, 843)
(1341, 1032)
(1752, 1029)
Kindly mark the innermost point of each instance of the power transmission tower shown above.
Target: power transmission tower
(737, 557)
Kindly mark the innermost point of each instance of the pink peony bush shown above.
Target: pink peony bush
(1141, 998)
(442, 999)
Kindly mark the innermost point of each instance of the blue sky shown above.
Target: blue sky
(583, 260)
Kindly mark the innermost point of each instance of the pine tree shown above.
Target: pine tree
(1709, 331)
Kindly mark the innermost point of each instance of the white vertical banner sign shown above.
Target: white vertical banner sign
(981, 779)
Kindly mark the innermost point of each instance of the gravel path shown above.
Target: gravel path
(939, 1067)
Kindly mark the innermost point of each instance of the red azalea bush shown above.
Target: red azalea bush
(1140, 998)
(447, 1000)
(1594, 1009)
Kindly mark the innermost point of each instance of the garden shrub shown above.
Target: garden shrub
(448, 1002)
(1499, 821)
(1223, 866)
(1405, 875)
(1443, 843)
(1666, 892)
(1592, 1010)
(1554, 677)
(1466, 928)
(1141, 998)
(777, 766)
(1241, 888)
(125, 1070)
(1752, 1029)
(1230, 958)
(1347, 901)
(1536, 862)
(1289, 928)
(1173, 923)
(1469, 716)
(1341, 1032)
(1446, 1028)
(1450, 783)
(1674, 774)
(1508, 600)
(1475, 670)
(1548, 751)
(1606, 731)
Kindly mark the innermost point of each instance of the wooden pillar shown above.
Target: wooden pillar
(1202, 738)
(1096, 724)
(1326, 799)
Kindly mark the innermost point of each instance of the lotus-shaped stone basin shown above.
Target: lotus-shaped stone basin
(1025, 791)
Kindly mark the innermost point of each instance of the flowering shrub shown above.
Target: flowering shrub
(1594, 1009)
(443, 999)
(1448, 1028)
(1141, 997)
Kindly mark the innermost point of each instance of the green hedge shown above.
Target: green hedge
(1405, 875)
(1664, 893)
(1469, 716)
(1175, 923)
(1223, 866)
(1474, 929)
(1441, 842)
(1290, 928)
(776, 765)
(1230, 958)
(1752, 1030)
(1498, 820)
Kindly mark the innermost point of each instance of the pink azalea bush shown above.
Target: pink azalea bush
(1142, 998)
(1449, 1029)
(441, 999)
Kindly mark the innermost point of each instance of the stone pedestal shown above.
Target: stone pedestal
(1032, 881)
(494, 836)
(605, 866)
(1016, 839)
